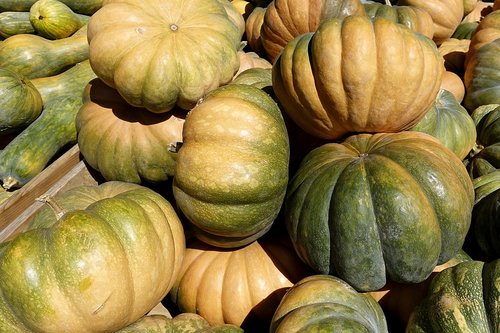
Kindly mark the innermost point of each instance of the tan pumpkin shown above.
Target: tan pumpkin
(286, 19)
(481, 9)
(251, 60)
(469, 6)
(454, 84)
(243, 7)
(357, 75)
(453, 51)
(240, 286)
(487, 31)
(253, 24)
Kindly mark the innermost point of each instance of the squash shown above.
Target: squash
(405, 196)
(324, 303)
(191, 49)
(34, 56)
(416, 19)
(481, 9)
(450, 123)
(257, 77)
(454, 84)
(469, 6)
(244, 7)
(87, 7)
(286, 19)
(53, 19)
(357, 75)
(13, 23)
(465, 30)
(251, 60)
(96, 269)
(123, 142)
(16, 5)
(253, 25)
(462, 298)
(453, 51)
(231, 170)
(21, 102)
(241, 286)
(35, 146)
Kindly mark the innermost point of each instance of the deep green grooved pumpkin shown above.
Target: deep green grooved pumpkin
(324, 303)
(231, 171)
(13, 23)
(462, 298)
(404, 196)
(357, 75)
(96, 269)
(123, 142)
(21, 102)
(185, 48)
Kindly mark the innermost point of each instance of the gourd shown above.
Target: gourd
(357, 75)
(251, 60)
(326, 303)
(253, 24)
(453, 51)
(97, 269)
(454, 84)
(286, 19)
(34, 56)
(449, 122)
(231, 170)
(123, 142)
(404, 196)
(191, 49)
(13, 23)
(21, 102)
(462, 298)
(465, 30)
(87, 7)
(53, 19)
(257, 77)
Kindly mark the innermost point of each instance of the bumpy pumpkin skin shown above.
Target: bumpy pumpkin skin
(462, 298)
(231, 171)
(323, 303)
(123, 142)
(286, 19)
(95, 270)
(404, 198)
(331, 84)
(184, 50)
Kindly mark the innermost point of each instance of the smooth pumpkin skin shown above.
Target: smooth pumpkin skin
(123, 142)
(13, 23)
(21, 102)
(231, 171)
(404, 196)
(343, 88)
(462, 298)
(240, 286)
(253, 24)
(326, 303)
(251, 59)
(450, 123)
(95, 270)
(453, 51)
(454, 84)
(257, 77)
(191, 49)
(286, 19)
(415, 18)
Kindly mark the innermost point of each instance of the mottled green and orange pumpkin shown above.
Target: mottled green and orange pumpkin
(373, 208)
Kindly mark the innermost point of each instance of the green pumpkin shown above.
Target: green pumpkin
(323, 303)
(465, 30)
(13, 23)
(379, 206)
(462, 298)
(231, 171)
(257, 77)
(450, 123)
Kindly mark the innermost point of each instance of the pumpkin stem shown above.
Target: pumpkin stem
(56, 208)
(174, 147)
(476, 149)
(9, 182)
(388, 3)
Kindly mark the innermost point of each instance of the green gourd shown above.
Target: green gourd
(13, 23)
(87, 7)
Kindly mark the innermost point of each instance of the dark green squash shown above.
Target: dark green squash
(378, 207)
(465, 30)
(13, 23)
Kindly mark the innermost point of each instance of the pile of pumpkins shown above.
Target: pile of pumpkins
(264, 166)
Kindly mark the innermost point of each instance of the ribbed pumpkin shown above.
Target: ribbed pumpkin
(253, 25)
(251, 59)
(462, 298)
(96, 269)
(485, 156)
(323, 303)
(21, 102)
(286, 19)
(183, 48)
(123, 142)
(231, 171)
(404, 198)
(241, 286)
(450, 123)
(357, 75)
(453, 51)
(454, 84)
(257, 77)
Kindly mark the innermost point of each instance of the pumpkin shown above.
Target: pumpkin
(404, 196)
(485, 156)
(123, 142)
(286, 19)
(240, 286)
(357, 75)
(465, 30)
(469, 6)
(454, 84)
(453, 51)
(446, 15)
(462, 298)
(481, 9)
(96, 269)
(253, 25)
(191, 49)
(251, 60)
(450, 122)
(244, 7)
(323, 303)
(231, 170)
